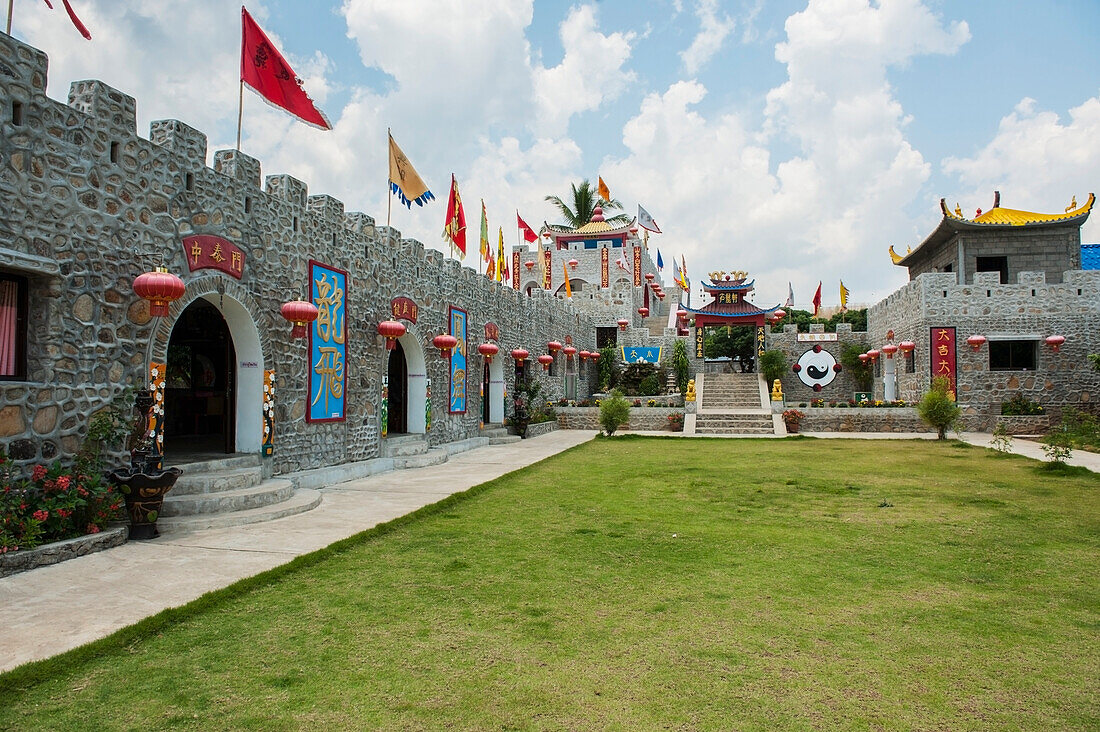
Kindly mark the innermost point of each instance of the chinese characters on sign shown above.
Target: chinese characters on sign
(403, 308)
(638, 267)
(213, 252)
(492, 332)
(760, 341)
(943, 355)
(547, 265)
(700, 340)
(515, 271)
(327, 344)
(458, 362)
(604, 263)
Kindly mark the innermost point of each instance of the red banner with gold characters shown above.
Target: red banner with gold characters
(204, 251)
(515, 271)
(604, 264)
(547, 265)
(944, 362)
(637, 266)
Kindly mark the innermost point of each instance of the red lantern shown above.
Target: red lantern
(864, 357)
(529, 264)
(391, 330)
(160, 288)
(779, 314)
(873, 354)
(660, 295)
(488, 350)
(519, 354)
(573, 264)
(650, 276)
(301, 314)
(623, 322)
(546, 359)
(907, 347)
(1055, 342)
(583, 356)
(889, 349)
(976, 342)
(553, 347)
(445, 343)
(643, 311)
(595, 356)
(569, 351)
(681, 314)
(634, 230)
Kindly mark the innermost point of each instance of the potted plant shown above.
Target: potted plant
(676, 422)
(793, 418)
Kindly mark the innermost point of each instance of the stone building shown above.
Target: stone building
(87, 205)
(999, 305)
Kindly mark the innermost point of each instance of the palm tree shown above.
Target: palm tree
(585, 200)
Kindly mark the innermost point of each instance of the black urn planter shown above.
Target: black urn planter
(144, 495)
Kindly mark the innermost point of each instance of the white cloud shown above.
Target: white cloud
(1037, 162)
(713, 30)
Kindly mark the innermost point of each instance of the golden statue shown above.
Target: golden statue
(777, 391)
(690, 395)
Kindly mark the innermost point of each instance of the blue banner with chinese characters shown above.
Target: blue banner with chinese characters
(640, 354)
(327, 343)
(458, 362)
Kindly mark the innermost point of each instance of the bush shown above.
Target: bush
(681, 364)
(773, 364)
(608, 368)
(862, 372)
(1020, 405)
(634, 375)
(937, 408)
(614, 412)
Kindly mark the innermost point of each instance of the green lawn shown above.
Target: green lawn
(647, 583)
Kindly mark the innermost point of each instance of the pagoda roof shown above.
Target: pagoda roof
(739, 309)
(730, 286)
(994, 218)
(601, 228)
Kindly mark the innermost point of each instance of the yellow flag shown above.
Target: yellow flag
(605, 194)
(843, 296)
(501, 264)
(405, 183)
(568, 289)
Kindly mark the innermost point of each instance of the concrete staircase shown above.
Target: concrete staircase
(230, 491)
(733, 404)
(498, 434)
(412, 451)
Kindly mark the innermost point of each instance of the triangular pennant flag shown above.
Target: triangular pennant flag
(646, 221)
(817, 299)
(265, 71)
(405, 182)
(660, 262)
(843, 296)
(605, 194)
(529, 234)
(454, 230)
(568, 289)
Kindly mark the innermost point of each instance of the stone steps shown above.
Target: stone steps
(216, 482)
(263, 494)
(301, 501)
(396, 446)
(436, 456)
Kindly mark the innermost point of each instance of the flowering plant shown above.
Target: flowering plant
(793, 417)
(52, 504)
(676, 422)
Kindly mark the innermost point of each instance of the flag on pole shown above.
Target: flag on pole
(605, 194)
(529, 234)
(72, 16)
(405, 182)
(621, 261)
(817, 299)
(454, 230)
(660, 262)
(646, 221)
(684, 273)
(502, 262)
(790, 296)
(267, 73)
(843, 297)
(484, 249)
(568, 289)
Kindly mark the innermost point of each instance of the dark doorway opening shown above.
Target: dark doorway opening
(485, 393)
(199, 394)
(399, 389)
(733, 345)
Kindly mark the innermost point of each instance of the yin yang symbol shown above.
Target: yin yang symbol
(816, 368)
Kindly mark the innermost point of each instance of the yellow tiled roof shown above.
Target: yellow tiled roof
(1013, 217)
(596, 227)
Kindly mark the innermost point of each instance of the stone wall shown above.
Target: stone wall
(86, 205)
(878, 419)
(841, 388)
(1048, 249)
(648, 419)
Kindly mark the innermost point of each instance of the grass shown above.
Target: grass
(646, 583)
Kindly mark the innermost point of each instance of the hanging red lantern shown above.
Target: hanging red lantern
(660, 295)
(519, 354)
(1055, 342)
(301, 314)
(529, 264)
(623, 322)
(907, 347)
(553, 347)
(160, 288)
(889, 349)
(546, 359)
(643, 311)
(779, 314)
(976, 342)
(873, 354)
(634, 230)
(391, 330)
(573, 264)
(584, 356)
(650, 276)
(595, 356)
(445, 343)
(488, 350)
(864, 357)
(569, 351)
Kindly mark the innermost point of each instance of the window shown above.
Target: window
(606, 336)
(114, 152)
(910, 363)
(994, 264)
(1012, 355)
(13, 327)
(17, 113)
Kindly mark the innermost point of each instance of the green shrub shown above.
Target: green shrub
(773, 364)
(862, 372)
(1020, 404)
(608, 368)
(681, 363)
(630, 381)
(937, 408)
(649, 386)
(614, 412)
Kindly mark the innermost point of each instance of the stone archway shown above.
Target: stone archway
(241, 316)
(495, 394)
(416, 382)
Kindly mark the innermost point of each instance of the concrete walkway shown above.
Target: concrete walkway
(53, 609)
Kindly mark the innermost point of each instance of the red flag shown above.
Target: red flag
(455, 228)
(817, 299)
(265, 70)
(529, 234)
(72, 16)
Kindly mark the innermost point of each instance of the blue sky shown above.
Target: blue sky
(795, 140)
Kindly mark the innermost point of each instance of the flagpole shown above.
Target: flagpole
(389, 196)
(240, 109)
(11, 3)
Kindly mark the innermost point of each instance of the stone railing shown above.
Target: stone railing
(855, 419)
(539, 428)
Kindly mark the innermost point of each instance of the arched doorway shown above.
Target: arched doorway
(200, 383)
(492, 387)
(408, 387)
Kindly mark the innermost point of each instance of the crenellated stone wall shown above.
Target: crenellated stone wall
(86, 205)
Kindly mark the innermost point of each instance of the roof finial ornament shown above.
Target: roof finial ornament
(996, 199)
(1072, 204)
(958, 211)
(597, 214)
(979, 213)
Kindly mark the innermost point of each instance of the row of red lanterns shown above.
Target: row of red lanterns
(1054, 341)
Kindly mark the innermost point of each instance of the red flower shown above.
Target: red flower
(64, 512)
(92, 529)
(41, 515)
(63, 483)
(38, 473)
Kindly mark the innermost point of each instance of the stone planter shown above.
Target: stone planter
(59, 551)
(144, 494)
